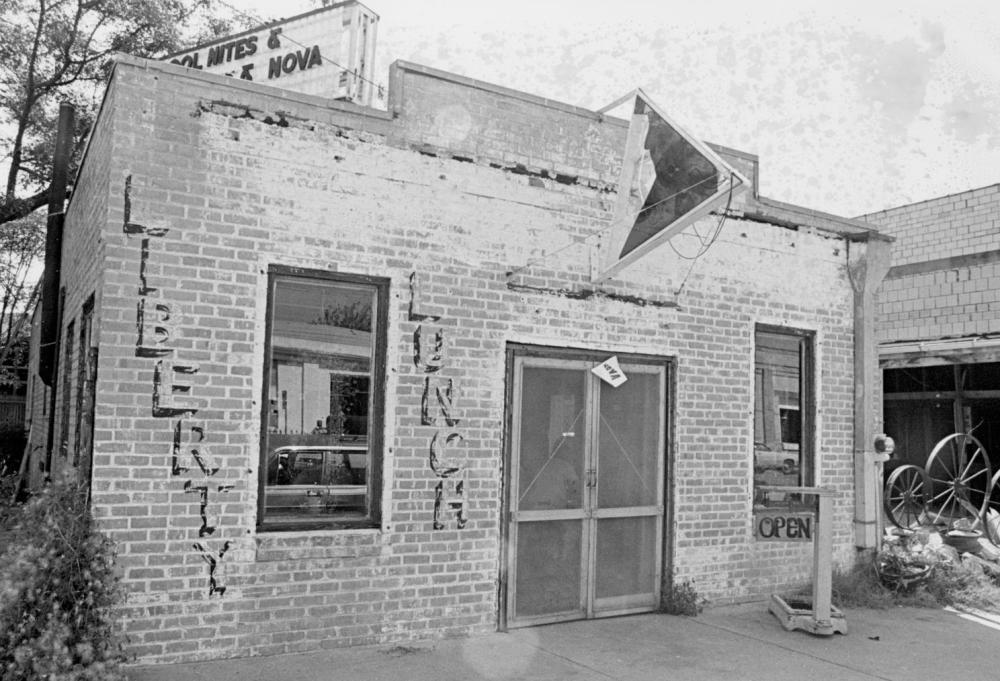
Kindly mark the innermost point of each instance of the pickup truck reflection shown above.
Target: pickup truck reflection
(316, 480)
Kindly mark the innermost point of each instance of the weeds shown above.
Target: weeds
(683, 599)
(952, 581)
(58, 591)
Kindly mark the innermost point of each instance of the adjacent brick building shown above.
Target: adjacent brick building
(939, 321)
(328, 368)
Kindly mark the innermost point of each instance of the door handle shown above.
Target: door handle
(591, 478)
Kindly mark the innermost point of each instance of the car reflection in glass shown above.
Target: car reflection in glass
(314, 480)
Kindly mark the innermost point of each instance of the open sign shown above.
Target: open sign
(778, 526)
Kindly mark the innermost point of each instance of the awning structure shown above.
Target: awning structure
(961, 350)
(668, 180)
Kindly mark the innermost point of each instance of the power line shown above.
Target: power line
(601, 231)
(705, 247)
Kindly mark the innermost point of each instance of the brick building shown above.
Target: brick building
(939, 321)
(328, 369)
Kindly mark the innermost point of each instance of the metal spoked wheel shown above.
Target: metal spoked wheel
(991, 517)
(961, 478)
(905, 498)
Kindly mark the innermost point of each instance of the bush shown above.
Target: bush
(683, 599)
(58, 592)
(7, 481)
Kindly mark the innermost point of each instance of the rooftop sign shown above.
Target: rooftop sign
(328, 52)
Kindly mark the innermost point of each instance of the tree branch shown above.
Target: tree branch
(14, 209)
(29, 102)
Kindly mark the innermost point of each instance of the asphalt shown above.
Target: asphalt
(743, 642)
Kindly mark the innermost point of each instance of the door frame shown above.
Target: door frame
(669, 364)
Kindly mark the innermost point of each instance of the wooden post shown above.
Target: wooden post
(823, 561)
(820, 617)
(868, 262)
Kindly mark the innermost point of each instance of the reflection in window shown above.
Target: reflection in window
(321, 398)
(782, 374)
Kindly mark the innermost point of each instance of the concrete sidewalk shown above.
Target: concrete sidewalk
(742, 642)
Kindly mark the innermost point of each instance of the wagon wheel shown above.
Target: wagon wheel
(960, 475)
(991, 518)
(905, 497)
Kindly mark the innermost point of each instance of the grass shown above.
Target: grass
(953, 581)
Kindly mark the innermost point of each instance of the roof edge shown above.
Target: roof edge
(848, 228)
(250, 86)
(892, 209)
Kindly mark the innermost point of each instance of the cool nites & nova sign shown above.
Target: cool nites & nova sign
(328, 52)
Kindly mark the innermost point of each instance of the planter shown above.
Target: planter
(902, 576)
(963, 541)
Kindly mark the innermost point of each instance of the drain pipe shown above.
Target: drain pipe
(48, 349)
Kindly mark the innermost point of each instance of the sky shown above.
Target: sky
(851, 106)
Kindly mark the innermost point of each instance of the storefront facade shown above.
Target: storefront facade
(341, 376)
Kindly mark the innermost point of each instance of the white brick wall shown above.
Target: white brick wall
(958, 298)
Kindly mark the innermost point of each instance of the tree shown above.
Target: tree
(55, 50)
(21, 245)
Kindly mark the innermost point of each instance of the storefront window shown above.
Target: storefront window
(320, 443)
(782, 412)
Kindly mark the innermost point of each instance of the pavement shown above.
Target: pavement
(742, 642)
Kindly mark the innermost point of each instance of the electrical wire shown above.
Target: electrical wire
(601, 231)
(696, 184)
(704, 249)
(715, 235)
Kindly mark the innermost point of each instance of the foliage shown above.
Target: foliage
(53, 50)
(58, 591)
(21, 245)
(952, 581)
(860, 587)
(356, 316)
(8, 480)
(683, 599)
(963, 583)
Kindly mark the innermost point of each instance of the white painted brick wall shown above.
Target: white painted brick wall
(956, 300)
(338, 191)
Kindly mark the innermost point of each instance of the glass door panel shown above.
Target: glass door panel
(551, 443)
(549, 568)
(626, 560)
(629, 437)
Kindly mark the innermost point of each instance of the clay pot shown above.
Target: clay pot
(902, 577)
(963, 541)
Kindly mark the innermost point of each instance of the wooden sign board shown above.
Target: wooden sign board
(780, 525)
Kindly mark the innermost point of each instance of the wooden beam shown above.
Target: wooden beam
(941, 396)
(959, 403)
(929, 358)
(867, 264)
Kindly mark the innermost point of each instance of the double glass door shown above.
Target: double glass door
(586, 493)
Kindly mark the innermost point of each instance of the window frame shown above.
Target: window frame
(807, 401)
(380, 321)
